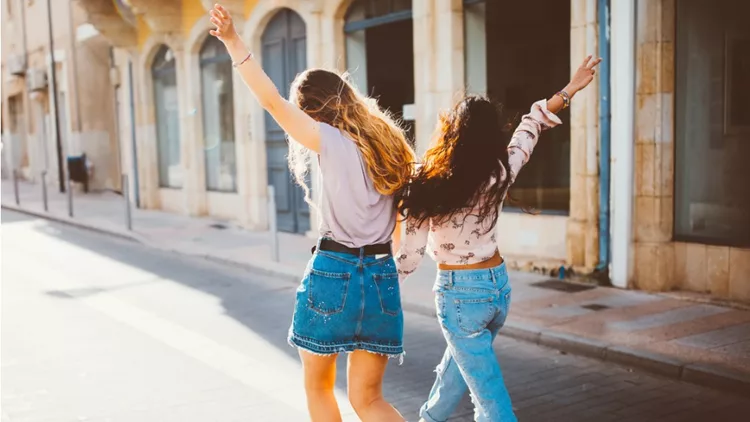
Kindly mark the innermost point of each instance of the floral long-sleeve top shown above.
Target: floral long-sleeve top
(465, 238)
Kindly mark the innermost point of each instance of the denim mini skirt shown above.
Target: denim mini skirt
(346, 303)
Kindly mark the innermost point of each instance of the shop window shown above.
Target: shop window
(712, 122)
(164, 73)
(516, 66)
(380, 54)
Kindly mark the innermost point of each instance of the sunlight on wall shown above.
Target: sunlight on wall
(192, 11)
(143, 30)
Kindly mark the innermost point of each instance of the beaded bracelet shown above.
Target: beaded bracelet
(249, 55)
(565, 97)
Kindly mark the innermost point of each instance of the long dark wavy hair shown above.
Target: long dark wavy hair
(464, 169)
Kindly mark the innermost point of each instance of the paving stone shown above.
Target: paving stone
(717, 338)
(667, 318)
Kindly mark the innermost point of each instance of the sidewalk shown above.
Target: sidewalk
(662, 333)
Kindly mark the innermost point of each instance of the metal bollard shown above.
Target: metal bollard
(44, 190)
(274, 232)
(70, 197)
(15, 187)
(126, 197)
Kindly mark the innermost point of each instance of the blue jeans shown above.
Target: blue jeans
(346, 303)
(472, 306)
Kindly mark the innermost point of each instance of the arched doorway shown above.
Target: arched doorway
(284, 56)
(166, 104)
(380, 54)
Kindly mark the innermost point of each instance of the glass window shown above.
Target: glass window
(502, 61)
(380, 63)
(712, 126)
(218, 117)
(164, 74)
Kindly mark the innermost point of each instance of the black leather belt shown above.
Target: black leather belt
(333, 246)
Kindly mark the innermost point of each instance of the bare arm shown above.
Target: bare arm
(295, 122)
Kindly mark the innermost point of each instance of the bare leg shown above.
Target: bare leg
(320, 380)
(365, 374)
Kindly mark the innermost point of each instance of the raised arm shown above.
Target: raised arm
(295, 122)
(542, 116)
(583, 76)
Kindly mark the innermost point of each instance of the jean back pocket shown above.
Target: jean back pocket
(474, 315)
(389, 293)
(327, 291)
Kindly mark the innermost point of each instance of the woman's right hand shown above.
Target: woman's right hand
(583, 76)
(222, 20)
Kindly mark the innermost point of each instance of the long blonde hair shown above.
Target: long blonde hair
(329, 98)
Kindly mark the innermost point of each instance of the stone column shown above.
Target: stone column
(148, 165)
(654, 149)
(192, 145)
(583, 230)
(438, 62)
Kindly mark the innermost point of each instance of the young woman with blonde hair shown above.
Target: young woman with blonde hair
(349, 298)
(452, 206)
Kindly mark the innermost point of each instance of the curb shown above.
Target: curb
(702, 374)
(706, 375)
(72, 222)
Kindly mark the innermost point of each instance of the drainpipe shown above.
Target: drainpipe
(604, 137)
(134, 152)
(23, 34)
(53, 87)
(74, 68)
(26, 97)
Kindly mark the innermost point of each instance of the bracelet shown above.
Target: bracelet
(248, 57)
(565, 97)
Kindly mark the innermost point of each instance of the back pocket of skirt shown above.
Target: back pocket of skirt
(326, 292)
(388, 292)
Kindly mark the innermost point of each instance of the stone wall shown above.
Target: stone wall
(661, 263)
(583, 229)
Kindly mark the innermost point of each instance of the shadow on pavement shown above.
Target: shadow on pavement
(262, 304)
(545, 385)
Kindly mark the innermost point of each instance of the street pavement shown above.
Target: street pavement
(100, 329)
(689, 336)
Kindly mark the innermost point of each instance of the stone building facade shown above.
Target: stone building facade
(85, 92)
(195, 142)
(691, 215)
(413, 55)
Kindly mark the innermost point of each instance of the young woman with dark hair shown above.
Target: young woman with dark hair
(451, 207)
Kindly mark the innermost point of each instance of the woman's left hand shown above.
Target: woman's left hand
(583, 76)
